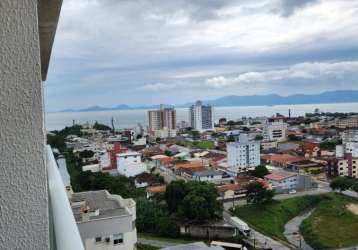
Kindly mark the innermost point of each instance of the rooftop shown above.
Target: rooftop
(92, 201)
(280, 175)
(285, 158)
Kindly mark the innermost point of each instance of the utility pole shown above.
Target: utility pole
(112, 122)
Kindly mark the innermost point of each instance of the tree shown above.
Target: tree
(100, 126)
(86, 154)
(195, 134)
(354, 187)
(259, 171)
(259, 137)
(195, 201)
(293, 137)
(174, 194)
(340, 183)
(152, 217)
(257, 194)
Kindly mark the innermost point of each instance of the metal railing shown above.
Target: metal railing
(67, 236)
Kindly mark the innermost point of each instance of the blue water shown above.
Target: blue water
(130, 118)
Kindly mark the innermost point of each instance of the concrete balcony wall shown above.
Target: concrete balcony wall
(23, 177)
(27, 29)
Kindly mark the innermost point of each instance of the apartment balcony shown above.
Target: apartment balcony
(64, 234)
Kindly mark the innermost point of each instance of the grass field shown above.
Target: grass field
(271, 218)
(197, 144)
(331, 225)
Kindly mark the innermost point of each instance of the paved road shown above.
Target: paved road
(260, 240)
(292, 231)
(156, 243)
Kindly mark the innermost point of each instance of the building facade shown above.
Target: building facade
(201, 117)
(275, 129)
(105, 221)
(346, 166)
(130, 164)
(162, 118)
(243, 155)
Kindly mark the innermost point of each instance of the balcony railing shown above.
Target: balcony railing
(66, 234)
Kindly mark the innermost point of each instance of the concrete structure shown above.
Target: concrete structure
(275, 129)
(130, 164)
(267, 145)
(201, 117)
(162, 120)
(105, 221)
(243, 155)
(27, 33)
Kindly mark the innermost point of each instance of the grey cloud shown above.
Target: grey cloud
(287, 7)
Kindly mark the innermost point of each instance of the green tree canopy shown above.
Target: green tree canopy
(259, 171)
(193, 200)
(100, 126)
(341, 183)
(258, 194)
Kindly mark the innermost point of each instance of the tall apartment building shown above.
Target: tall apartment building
(162, 118)
(201, 117)
(275, 129)
(343, 165)
(105, 221)
(243, 155)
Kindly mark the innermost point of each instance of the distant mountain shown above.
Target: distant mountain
(273, 99)
(340, 96)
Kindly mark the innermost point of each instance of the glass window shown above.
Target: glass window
(117, 239)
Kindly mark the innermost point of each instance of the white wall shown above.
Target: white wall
(130, 164)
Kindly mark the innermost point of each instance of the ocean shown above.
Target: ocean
(130, 118)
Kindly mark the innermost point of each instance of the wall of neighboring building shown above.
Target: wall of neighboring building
(130, 164)
(23, 176)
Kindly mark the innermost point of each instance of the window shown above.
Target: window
(98, 239)
(117, 239)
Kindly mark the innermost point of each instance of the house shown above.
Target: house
(130, 164)
(280, 160)
(151, 191)
(310, 150)
(207, 175)
(282, 181)
(231, 191)
(105, 221)
(305, 166)
(267, 145)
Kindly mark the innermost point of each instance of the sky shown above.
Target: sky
(145, 52)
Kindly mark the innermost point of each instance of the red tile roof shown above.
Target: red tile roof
(278, 176)
(283, 158)
(156, 189)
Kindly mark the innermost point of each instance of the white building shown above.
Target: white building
(130, 164)
(201, 117)
(165, 133)
(282, 181)
(105, 221)
(243, 155)
(275, 129)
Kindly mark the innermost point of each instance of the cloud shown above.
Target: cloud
(288, 7)
(308, 72)
(124, 51)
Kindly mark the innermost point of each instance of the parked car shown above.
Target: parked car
(292, 191)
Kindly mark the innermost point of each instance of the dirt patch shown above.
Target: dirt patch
(353, 208)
